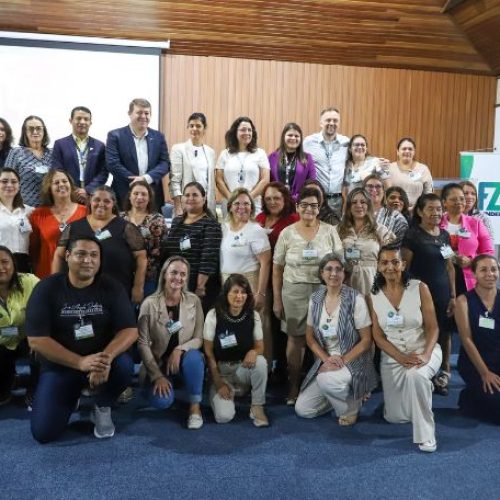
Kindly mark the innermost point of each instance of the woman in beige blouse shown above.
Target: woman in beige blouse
(414, 177)
(297, 254)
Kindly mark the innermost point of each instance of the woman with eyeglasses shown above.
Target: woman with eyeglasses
(290, 165)
(58, 209)
(339, 335)
(360, 163)
(478, 321)
(362, 237)
(15, 227)
(385, 216)
(414, 177)
(470, 193)
(326, 212)
(243, 164)
(297, 254)
(427, 251)
(405, 329)
(5, 140)
(32, 159)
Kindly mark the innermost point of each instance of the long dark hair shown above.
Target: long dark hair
(7, 143)
(231, 137)
(222, 305)
(15, 284)
(301, 155)
(17, 202)
(379, 280)
(127, 205)
(349, 147)
(404, 197)
(203, 193)
(289, 205)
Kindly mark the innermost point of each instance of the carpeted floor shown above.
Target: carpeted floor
(153, 455)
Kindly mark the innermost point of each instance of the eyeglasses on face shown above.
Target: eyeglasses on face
(36, 129)
(304, 206)
(375, 187)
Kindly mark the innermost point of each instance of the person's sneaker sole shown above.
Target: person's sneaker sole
(106, 435)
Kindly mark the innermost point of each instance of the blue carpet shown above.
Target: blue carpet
(153, 455)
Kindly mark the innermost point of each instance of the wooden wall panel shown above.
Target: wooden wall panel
(444, 112)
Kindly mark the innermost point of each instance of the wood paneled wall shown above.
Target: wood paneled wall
(444, 112)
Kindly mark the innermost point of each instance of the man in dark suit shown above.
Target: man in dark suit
(81, 156)
(137, 152)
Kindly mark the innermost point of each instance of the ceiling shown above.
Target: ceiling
(413, 34)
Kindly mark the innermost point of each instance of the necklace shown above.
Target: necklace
(235, 320)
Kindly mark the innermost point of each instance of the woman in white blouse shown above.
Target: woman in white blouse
(193, 161)
(242, 164)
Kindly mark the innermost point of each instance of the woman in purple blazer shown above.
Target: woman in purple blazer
(289, 163)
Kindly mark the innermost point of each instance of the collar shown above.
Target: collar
(136, 136)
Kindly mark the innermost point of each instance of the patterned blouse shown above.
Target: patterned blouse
(31, 170)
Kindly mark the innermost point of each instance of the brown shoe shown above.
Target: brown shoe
(258, 416)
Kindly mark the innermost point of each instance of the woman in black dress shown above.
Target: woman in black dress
(428, 255)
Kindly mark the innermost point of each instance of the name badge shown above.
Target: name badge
(241, 177)
(25, 226)
(355, 177)
(9, 331)
(328, 330)
(463, 233)
(238, 241)
(83, 330)
(309, 254)
(185, 243)
(102, 235)
(41, 169)
(485, 322)
(228, 340)
(447, 252)
(174, 326)
(415, 176)
(395, 319)
(352, 253)
(145, 232)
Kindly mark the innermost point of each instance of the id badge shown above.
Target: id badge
(174, 326)
(9, 331)
(352, 253)
(309, 254)
(102, 235)
(241, 177)
(463, 233)
(41, 169)
(185, 243)
(355, 177)
(145, 232)
(228, 340)
(447, 252)
(395, 319)
(415, 176)
(83, 330)
(25, 226)
(485, 322)
(328, 330)
(238, 241)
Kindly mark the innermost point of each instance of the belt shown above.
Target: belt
(333, 195)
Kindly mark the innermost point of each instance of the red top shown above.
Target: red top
(278, 226)
(45, 235)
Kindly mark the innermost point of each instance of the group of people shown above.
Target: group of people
(323, 245)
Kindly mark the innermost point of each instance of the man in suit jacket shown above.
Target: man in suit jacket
(80, 155)
(137, 152)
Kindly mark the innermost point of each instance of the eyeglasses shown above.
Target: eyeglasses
(304, 206)
(9, 181)
(32, 130)
(376, 187)
(333, 270)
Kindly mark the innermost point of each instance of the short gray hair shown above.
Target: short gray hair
(339, 257)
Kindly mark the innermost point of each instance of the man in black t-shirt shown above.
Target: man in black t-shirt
(81, 324)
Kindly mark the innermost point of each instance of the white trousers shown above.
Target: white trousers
(329, 390)
(240, 380)
(408, 394)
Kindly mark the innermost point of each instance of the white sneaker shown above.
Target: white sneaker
(195, 421)
(103, 425)
(428, 446)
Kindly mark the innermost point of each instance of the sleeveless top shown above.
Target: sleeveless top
(233, 337)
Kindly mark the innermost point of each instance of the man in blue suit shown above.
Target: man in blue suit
(137, 152)
(80, 155)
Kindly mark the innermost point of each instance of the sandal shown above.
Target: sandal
(346, 421)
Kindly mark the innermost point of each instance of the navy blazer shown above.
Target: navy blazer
(64, 157)
(121, 159)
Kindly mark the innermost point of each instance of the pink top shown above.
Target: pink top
(476, 242)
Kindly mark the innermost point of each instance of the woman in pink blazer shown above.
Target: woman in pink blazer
(469, 236)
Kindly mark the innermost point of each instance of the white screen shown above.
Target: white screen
(49, 82)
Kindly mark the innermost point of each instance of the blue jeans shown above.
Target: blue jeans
(58, 391)
(192, 371)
